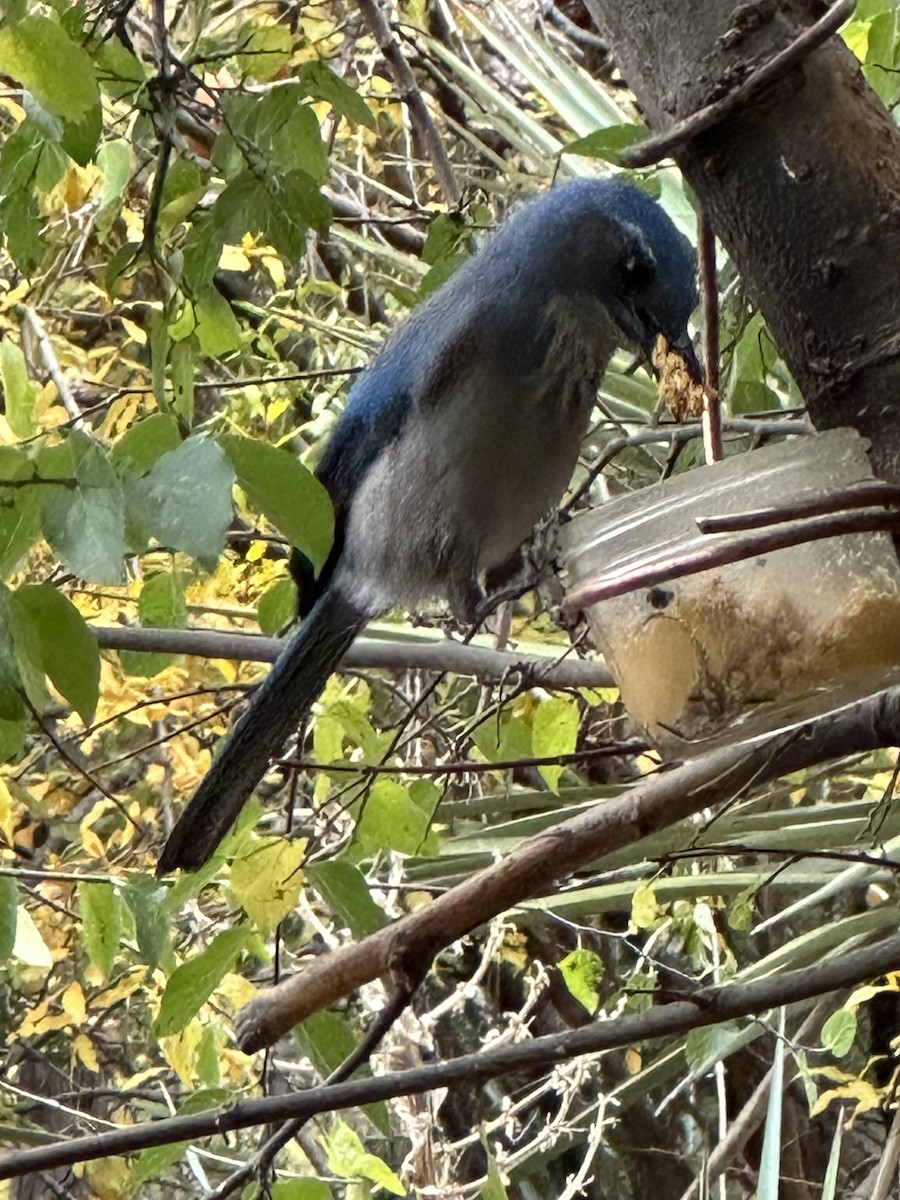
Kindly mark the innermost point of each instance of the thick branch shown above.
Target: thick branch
(800, 183)
(707, 1006)
(365, 655)
(412, 98)
(539, 863)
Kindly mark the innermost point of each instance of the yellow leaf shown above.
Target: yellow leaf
(233, 258)
(92, 844)
(866, 1096)
(645, 910)
(84, 1051)
(73, 1003)
(180, 1052)
(134, 331)
(276, 408)
(633, 1061)
(30, 948)
(266, 880)
(236, 989)
(7, 806)
(276, 270)
(109, 1178)
(134, 981)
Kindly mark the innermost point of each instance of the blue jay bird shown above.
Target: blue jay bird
(456, 440)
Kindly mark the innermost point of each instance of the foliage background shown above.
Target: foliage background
(208, 212)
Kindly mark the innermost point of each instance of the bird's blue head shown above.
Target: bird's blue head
(612, 240)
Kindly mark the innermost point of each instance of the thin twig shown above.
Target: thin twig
(33, 324)
(617, 749)
(705, 558)
(704, 1007)
(538, 864)
(858, 495)
(410, 94)
(712, 406)
(81, 769)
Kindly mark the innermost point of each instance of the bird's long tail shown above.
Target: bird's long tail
(282, 701)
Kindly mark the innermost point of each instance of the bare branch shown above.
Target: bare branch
(366, 655)
(539, 863)
(707, 1006)
(412, 98)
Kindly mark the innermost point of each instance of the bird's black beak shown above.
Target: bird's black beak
(684, 346)
(644, 333)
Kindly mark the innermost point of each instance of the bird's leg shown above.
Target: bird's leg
(525, 570)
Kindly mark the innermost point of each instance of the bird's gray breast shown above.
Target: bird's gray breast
(480, 460)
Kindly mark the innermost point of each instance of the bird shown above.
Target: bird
(456, 439)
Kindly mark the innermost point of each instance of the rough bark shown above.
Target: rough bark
(802, 185)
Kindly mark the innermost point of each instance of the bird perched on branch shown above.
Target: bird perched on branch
(458, 437)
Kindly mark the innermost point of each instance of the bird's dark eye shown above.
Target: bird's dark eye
(638, 265)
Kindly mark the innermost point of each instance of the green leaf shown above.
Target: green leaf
(145, 897)
(282, 488)
(752, 357)
(183, 188)
(87, 531)
(326, 1039)
(554, 731)
(79, 138)
(145, 442)
(769, 1181)
(19, 393)
(191, 984)
(283, 130)
(9, 912)
(218, 331)
(705, 1047)
(20, 524)
(266, 880)
(27, 652)
(319, 81)
(265, 50)
(202, 251)
(182, 370)
(582, 971)
(68, 650)
(101, 923)
(22, 222)
(15, 464)
(43, 58)
(608, 143)
(839, 1032)
(120, 74)
(508, 739)
(280, 209)
(184, 501)
(152, 1162)
(301, 1189)
(161, 606)
(348, 1158)
(12, 705)
(391, 819)
(495, 1184)
(344, 889)
(277, 607)
(207, 1060)
(115, 160)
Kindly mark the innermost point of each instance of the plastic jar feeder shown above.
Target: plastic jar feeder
(752, 640)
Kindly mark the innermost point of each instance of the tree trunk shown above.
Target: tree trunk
(801, 184)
